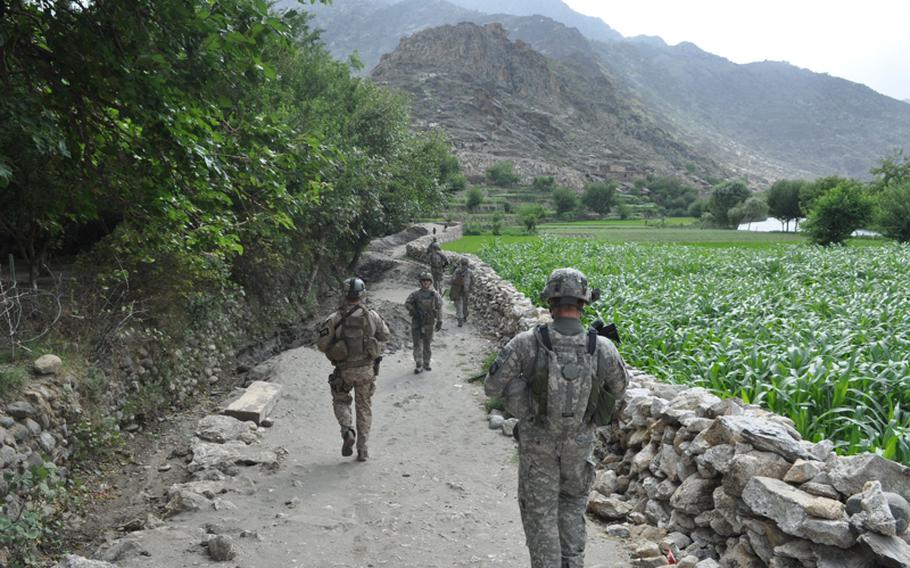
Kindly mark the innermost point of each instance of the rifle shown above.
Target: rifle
(609, 331)
(376, 363)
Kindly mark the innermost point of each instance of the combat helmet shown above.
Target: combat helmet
(567, 286)
(354, 288)
(465, 261)
(425, 275)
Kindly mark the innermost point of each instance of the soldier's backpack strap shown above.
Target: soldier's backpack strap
(540, 381)
(601, 403)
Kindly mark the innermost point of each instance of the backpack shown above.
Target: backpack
(356, 342)
(554, 380)
(457, 286)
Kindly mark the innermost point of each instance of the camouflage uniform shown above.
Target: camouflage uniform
(425, 307)
(355, 372)
(437, 261)
(550, 391)
(460, 290)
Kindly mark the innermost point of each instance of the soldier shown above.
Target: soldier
(561, 382)
(353, 339)
(425, 307)
(437, 261)
(460, 289)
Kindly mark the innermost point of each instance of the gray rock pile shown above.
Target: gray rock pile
(732, 485)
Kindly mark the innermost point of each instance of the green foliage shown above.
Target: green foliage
(496, 223)
(12, 378)
(474, 198)
(783, 200)
(600, 197)
(752, 209)
(892, 213)
(671, 194)
(543, 183)
(810, 192)
(564, 200)
(34, 515)
(507, 206)
(500, 174)
(530, 215)
(893, 170)
(725, 197)
(837, 213)
(457, 182)
(494, 403)
(815, 334)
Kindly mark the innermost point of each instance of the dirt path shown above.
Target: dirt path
(438, 491)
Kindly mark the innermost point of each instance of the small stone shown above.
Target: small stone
(221, 548)
(496, 421)
(508, 427)
(21, 409)
(803, 471)
(619, 531)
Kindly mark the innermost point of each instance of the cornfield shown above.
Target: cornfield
(819, 335)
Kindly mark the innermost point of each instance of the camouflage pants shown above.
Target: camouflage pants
(555, 474)
(363, 382)
(461, 308)
(423, 339)
(437, 277)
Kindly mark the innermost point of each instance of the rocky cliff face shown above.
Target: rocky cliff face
(502, 100)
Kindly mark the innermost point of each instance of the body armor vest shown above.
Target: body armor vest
(426, 307)
(356, 337)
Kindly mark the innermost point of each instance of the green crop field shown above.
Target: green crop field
(819, 335)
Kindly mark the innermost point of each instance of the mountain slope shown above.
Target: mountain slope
(499, 100)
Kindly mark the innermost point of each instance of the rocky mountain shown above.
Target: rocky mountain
(765, 120)
(500, 99)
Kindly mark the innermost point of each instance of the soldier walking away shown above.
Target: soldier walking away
(562, 382)
(425, 307)
(438, 262)
(353, 339)
(461, 289)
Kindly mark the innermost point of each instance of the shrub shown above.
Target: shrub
(892, 216)
(543, 183)
(600, 197)
(564, 200)
(500, 174)
(838, 213)
(530, 215)
(474, 198)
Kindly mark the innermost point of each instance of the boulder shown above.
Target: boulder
(790, 509)
(890, 551)
(849, 474)
(607, 508)
(694, 496)
(221, 548)
(47, 364)
(744, 467)
(21, 409)
(761, 433)
(219, 428)
(223, 457)
(874, 514)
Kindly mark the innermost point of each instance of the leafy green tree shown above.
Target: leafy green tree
(892, 214)
(530, 215)
(749, 211)
(726, 196)
(600, 197)
(837, 213)
(783, 201)
(811, 191)
(456, 183)
(473, 198)
(496, 223)
(893, 170)
(564, 200)
(501, 174)
(671, 194)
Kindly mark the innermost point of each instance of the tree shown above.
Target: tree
(671, 194)
(500, 174)
(892, 215)
(749, 211)
(783, 201)
(473, 198)
(893, 170)
(837, 213)
(543, 183)
(726, 196)
(600, 197)
(564, 200)
(530, 215)
(811, 191)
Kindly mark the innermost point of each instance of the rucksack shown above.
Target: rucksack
(550, 380)
(356, 341)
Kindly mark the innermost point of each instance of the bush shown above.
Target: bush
(725, 197)
(564, 200)
(892, 216)
(500, 174)
(472, 229)
(530, 216)
(838, 213)
(496, 225)
(507, 206)
(544, 183)
(600, 197)
(457, 183)
(473, 199)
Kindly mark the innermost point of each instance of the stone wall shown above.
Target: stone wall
(706, 482)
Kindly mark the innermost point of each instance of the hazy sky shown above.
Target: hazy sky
(867, 41)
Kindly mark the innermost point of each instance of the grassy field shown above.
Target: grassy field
(819, 335)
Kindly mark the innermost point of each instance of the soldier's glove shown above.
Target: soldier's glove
(438, 325)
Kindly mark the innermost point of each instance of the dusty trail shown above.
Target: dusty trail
(438, 491)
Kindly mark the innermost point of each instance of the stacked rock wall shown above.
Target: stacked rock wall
(722, 483)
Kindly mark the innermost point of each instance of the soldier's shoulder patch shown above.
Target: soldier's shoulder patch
(501, 360)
